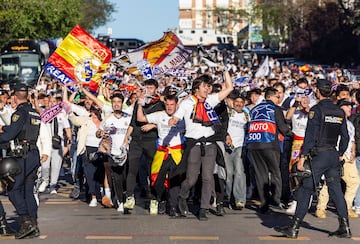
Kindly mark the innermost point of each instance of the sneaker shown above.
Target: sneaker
(202, 215)
(183, 207)
(106, 201)
(352, 214)
(291, 209)
(219, 210)
(75, 193)
(43, 186)
(130, 203)
(93, 203)
(320, 213)
(239, 205)
(357, 209)
(173, 212)
(162, 207)
(53, 191)
(120, 207)
(154, 207)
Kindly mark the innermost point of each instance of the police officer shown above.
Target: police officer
(325, 124)
(24, 131)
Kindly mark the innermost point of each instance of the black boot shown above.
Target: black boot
(202, 214)
(344, 229)
(183, 207)
(27, 227)
(5, 230)
(292, 230)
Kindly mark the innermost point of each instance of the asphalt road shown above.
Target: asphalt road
(62, 220)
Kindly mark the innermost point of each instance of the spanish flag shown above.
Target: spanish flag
(78, 58)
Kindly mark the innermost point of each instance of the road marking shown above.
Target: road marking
(108, 237)
(197, 238)
(356, 238)
(7, 237)
(60, 202)
(283, 238)
(42, 237)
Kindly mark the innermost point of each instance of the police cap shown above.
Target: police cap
(344, 102)
(20, 87)
(323, 83)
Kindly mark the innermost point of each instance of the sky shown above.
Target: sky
(146, 20)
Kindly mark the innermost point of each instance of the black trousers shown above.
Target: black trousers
(136, 150)
(22, 194)
(266, 163)
(326, 163)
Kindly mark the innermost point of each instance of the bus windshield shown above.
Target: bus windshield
(24, 66)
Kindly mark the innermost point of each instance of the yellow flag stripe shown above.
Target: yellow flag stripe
(72, 50)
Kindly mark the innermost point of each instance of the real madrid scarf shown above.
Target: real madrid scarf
(203, 113)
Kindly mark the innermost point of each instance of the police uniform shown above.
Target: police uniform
(24, 130)
(325, 124)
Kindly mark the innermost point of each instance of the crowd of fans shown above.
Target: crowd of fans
(111, 139)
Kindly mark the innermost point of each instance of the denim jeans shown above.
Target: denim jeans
(357, 196)
(235, 175)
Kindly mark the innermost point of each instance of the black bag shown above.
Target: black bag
(56, 139)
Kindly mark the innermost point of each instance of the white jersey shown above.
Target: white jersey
(299, 122)
(168, 136)
(185, 110)
(117, 128)
(236, 128)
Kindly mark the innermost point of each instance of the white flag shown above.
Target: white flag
(264, 69)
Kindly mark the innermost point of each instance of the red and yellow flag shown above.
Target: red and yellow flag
(78, 58)
(155, 57)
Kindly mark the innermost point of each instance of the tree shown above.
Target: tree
(35, 19)
(351, 11)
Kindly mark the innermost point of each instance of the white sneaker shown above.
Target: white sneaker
(154, 207)
(43, 186)
(130, 203)
(357, 209)
(93, 203)
(291, 209)
(121, 207)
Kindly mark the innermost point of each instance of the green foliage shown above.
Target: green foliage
(44, 19)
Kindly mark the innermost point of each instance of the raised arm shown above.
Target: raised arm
(97, 101)
(140, 116)
(228, 85)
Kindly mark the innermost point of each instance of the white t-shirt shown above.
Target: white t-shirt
(168, 136)
(63, 123)
(91, 139)
(299, 121)
(236, 128)
(185, 110)
(117, 128)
